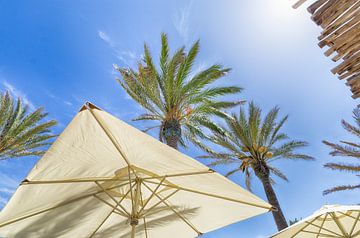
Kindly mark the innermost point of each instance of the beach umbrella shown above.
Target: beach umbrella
(104, 178)
(329, 221)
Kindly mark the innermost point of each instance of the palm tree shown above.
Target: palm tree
(252, 144)
(22, 133)
(346, 149)
(181, 100)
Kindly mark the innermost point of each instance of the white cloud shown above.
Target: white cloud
(17, 93)
(58, 99)
(8, 182)
(8, 186)
(7, 190)
(181, 21)
(105, 37)
(68, 103)
(127, 57)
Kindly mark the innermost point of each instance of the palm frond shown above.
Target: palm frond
(350, 128)
(228, 174)
(164, 57)
(186, 66)
(275, 133)
(340, 150)
(253, 141)
(278, 173)
(346, 149)
(147, 117)
(268, 125)
(183, 104)
(248, 179)
(286, 149)
(343, 167)
(341, 188)
(150, 128)
(22, 133)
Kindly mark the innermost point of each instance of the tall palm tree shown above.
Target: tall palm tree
(252, 143)
(22, 133)
(181, 100)
(346, 149)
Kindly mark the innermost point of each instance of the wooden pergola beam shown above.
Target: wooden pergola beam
(340, 20)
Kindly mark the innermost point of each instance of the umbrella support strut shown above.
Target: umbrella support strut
(134, 219)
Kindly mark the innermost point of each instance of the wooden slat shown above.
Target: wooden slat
(340, 21)
(313, 7)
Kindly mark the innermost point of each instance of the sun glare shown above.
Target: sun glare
(279, 9)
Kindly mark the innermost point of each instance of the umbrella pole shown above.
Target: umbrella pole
(135, 207)
(133, 231)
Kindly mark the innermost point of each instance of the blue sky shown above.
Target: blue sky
(58, 54)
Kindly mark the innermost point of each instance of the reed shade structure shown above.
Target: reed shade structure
(340, 21)
(104, 178)
(330, 221)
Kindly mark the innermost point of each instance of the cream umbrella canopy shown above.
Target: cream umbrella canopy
(104, 178)
(329, 221)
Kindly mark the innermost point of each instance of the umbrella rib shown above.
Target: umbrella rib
(54, 207)
(348, 215)
(209, 171)
(103, 221)
(322, 224)
(158, 203)
(353, 227)
(175, 211)
(325, 229)
(356, 234)
(116, 145)
(109, 204)
(214, 195)
(114, 208)
(112, 198)
(145, 227)
(75, 180)
(308, 224)
(338, 223)
(111, 137)
(152, 195)
(317, 233)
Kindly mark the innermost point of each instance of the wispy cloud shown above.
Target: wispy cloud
(181, 21)
(8, 186)
(17, 93)
(68, 103)
(261, 236)
(58, 99)
(105, 37)
(127, 57)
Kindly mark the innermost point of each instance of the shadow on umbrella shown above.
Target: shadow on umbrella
(67, 218)
(151, 223)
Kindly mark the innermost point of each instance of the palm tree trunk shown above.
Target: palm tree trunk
(271, 196)
(172, 141)
(171, 131)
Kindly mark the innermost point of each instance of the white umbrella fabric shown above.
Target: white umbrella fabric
(104, 178)
(332, 221)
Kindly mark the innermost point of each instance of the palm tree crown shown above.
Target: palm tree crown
(346, 149)
(181, 100)
(22, 133)
(252, 144)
